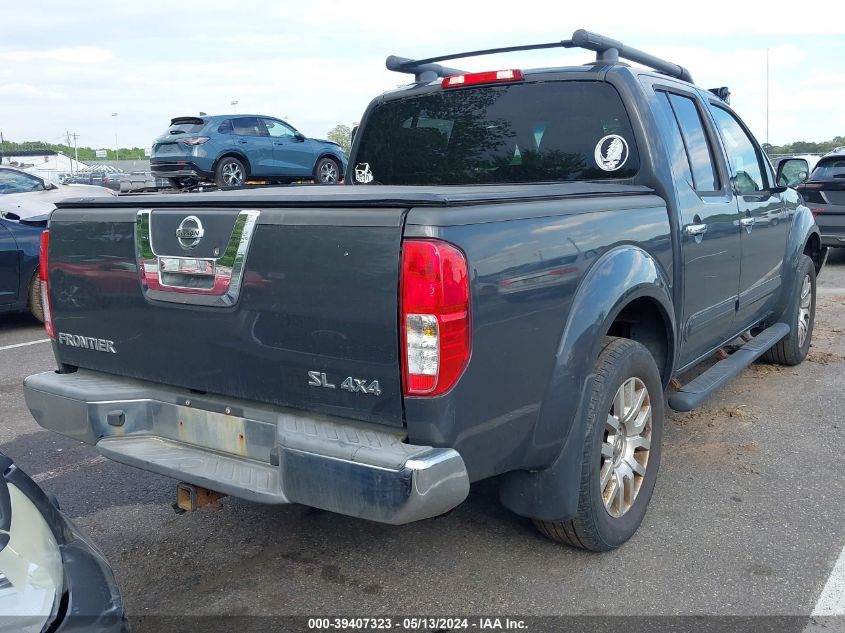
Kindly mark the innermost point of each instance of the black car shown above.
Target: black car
(20, 240)
(52, 577)
(824, 193)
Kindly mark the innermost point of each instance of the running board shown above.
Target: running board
(693, 393)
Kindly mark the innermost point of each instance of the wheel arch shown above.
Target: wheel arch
(624, 285)
(327, 154)
(804, 239)
(232, 154)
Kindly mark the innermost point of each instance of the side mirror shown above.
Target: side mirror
(793, 171)
(299, 137)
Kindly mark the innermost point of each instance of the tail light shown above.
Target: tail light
(43, 264)
(105, 179)
(488, 77)
(199, 140)
(434, 311)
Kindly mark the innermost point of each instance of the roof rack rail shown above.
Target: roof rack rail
(608, 51)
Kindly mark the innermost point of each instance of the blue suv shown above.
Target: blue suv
(231, 149)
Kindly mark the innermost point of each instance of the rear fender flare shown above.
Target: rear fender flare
(549, 490)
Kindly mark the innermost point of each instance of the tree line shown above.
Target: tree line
(340, 134)
(86, 154)
(805, 147)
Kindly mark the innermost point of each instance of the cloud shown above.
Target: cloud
(323, 67)
(27, 91)
(73, 55)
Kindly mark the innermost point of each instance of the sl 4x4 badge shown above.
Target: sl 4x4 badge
(353, 385)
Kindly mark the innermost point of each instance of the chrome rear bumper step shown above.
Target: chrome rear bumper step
(261, 453)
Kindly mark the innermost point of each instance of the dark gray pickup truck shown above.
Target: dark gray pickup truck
(517, 266)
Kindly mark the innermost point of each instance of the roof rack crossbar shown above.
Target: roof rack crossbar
(421, 71)
(607, 50)
(606, 46)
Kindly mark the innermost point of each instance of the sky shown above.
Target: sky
(68, 66)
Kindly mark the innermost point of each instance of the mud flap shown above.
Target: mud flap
(551, 494)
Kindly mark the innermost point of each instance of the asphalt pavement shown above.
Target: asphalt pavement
(748, 517)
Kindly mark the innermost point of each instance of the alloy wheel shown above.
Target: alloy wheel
(626, 447)
(328, 172)
(232, 174)
(804, 310)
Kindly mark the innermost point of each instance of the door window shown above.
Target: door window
(277, 129)
(246, 126)
(742, 153)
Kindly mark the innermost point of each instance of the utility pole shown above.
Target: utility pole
(116, 146)
(75, 150)
(767, 96)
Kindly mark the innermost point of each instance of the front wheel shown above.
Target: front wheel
(800, 315)
(327, 171)
(624, 430)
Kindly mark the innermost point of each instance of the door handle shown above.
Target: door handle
(695, 229)
(746, 222)
(243, 142)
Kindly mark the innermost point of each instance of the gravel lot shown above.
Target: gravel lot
(748, 517)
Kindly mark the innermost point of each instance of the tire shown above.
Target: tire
(327, 171)
(601, 525)
(35, 305)
(230, 172)
(800, 314)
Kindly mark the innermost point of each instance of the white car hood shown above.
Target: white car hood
(35, 203)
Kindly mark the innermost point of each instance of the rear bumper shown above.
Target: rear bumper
(182, 169)
(257, 452)
(833, 240)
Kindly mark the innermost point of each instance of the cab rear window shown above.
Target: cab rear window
(531, 132)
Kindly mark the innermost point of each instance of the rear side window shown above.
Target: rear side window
(695, 140)
(830, 169)
(185, 126)
(531, 132)
(681, 164)
(246, 126)
(225, 127)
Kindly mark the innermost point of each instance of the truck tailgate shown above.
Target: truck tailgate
(288, 306)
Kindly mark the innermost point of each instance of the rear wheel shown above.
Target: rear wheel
(327, 171)
(35, 305)
(621, 451)
(230, 172)
(800, 315)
